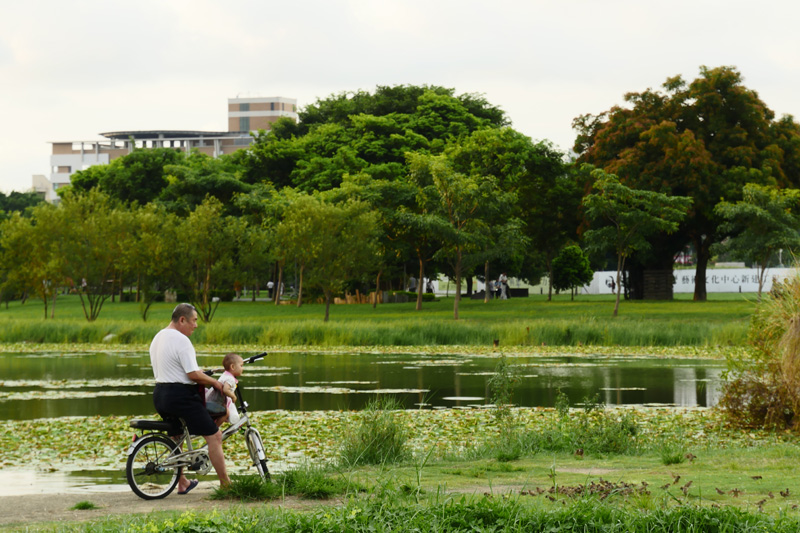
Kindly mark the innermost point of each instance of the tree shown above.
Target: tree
(765, 220)
(137, 177)
(17, 201)
(205, 246)
(198, 177)
(547, 194)
(460, 206)
(150, 259)
(96, 236)
(630, 216)
(571, 269)
(705, 140)
(339, 241)
(31, 252)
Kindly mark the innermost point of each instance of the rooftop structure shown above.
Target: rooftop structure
(245, 115)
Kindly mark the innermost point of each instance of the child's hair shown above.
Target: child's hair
(229, 359)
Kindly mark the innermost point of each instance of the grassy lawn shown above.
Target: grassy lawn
(721, 321)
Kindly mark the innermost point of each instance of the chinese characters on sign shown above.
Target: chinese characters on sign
(717, 280)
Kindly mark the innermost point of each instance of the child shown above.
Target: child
(234, 365)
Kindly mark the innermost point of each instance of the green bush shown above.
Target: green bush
(377, 438)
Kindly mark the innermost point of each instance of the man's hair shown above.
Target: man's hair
(182, 310)
(229, 359)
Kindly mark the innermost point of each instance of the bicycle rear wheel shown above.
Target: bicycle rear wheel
(256, 449)
(146, 476)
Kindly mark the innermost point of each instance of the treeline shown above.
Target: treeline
(369, 188)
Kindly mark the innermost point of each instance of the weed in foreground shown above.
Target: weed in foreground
(84, 506)
(671, 453)
(308, 481)
(377, 438)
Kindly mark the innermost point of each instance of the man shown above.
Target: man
(177, 394)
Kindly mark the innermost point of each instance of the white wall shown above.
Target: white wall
(717, 280)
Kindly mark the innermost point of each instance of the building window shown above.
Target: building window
(244, 123)
(244, 107)
(272, 106)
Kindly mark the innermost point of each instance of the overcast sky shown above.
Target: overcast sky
(72, 69)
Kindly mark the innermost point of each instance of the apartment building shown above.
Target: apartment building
(245, 115)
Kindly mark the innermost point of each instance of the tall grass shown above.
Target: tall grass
(516, 322)
(377, 438)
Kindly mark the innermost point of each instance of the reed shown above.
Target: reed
(516, 322)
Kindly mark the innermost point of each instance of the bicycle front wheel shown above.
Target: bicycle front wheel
(256, 449)
(147, 476)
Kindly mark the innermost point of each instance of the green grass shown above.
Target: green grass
(721, 321)
(732, 482)
(84, 506)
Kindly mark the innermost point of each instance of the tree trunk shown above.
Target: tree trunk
(327, 304)
(703, 256)
(620, 264)
(377, 289)
(420, 285)
(300, 287)
(278, 285)
(486, 282)
(469, 286)
(761, 275)
(53, 309)
(458, 284)
(549, 278)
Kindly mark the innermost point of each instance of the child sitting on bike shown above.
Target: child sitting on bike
(234, 365)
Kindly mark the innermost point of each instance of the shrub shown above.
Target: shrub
(377, 438)
(763, 389)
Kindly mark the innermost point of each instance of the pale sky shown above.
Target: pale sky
(70, 70)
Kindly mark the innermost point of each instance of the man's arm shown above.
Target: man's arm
(199, 377)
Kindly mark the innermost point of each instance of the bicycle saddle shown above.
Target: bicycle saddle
(172, 427)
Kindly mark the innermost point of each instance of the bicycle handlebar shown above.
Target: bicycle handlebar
(251, 359)
(254, 358)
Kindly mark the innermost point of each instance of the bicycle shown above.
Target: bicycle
(155, 460)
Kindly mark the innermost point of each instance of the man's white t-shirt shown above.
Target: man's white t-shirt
(172, 357)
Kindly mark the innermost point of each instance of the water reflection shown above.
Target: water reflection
(56, 385)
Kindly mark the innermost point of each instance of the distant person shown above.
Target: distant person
(503, 279)
(412, 284)
(429, 287)
(234, 366)
(270, 287)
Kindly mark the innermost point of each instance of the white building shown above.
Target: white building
(245, 115)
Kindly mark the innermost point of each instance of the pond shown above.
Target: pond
(51, 385)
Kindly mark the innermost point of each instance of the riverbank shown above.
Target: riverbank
(684, 460)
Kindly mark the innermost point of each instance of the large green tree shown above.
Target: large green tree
(334, 242)
(705, 139)
(547, 193)
(95, 237)
(625, 219)
(205, 247)
(136, 177)
(462, 206)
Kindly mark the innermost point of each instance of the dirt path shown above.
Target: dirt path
(27, 511)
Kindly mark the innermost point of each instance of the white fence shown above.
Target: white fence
(717, 280)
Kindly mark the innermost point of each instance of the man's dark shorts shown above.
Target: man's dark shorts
(176, 400)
